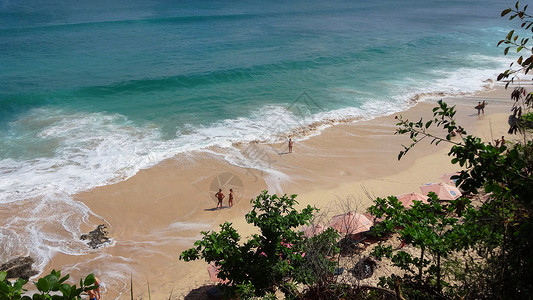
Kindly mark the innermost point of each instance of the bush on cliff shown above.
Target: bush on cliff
(273, 259)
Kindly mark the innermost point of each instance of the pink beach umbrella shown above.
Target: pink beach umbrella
(351, 223)
(373, 218)
(444, 191)
(408, 198)
(312, 230)
(447, 178)
(212, 269)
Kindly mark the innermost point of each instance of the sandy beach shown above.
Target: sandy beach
(156, 214)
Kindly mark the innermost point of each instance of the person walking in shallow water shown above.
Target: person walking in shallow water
(290, 145)
(481, 107)
(220, 196)
(230, 199)
(95, 294)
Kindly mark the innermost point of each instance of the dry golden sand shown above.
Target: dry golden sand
(159, 212)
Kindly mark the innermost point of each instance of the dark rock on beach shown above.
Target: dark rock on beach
(364, 268)
(96, 237)
(19, 267)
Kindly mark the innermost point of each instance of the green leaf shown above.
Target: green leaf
(4, 288)
(65, 289)
(19, 284)
(63, 279)
(42, 285)
(509, 35)
(52, 282)
(528, 60)
(89, 280)
(506, 11)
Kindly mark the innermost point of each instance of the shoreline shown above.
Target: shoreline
(159, 212)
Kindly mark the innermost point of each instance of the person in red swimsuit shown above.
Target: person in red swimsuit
(95, 294)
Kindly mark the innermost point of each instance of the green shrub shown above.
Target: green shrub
(51, 286)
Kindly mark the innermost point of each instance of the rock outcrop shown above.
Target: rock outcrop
(364, 268)
(19, 267)
(97, 237)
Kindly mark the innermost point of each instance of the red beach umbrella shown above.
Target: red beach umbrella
(313, 230)
(447, 178)
(212, 269)
(351, 223)
(408, 198)
(444, 191)
(373, 218)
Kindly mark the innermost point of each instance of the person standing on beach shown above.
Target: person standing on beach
(220, 196)
(478, 107)
(230, 200)
(290, 145)
(483, 107)
(95, 294)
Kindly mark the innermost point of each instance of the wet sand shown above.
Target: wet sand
(159, 212)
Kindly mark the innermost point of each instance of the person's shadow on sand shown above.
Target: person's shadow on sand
(215, 208)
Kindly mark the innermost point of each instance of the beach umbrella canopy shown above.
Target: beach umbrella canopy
(447, 178)
(312, 230)
(351, 223)
(444, 191)
(373, 218)
(212, 269)
(408, 198)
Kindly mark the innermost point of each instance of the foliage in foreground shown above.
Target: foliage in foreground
(480, 251)
(277, 258)
(51, 286)
(430, 227)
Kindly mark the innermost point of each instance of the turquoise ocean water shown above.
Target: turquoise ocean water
(92, 92)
